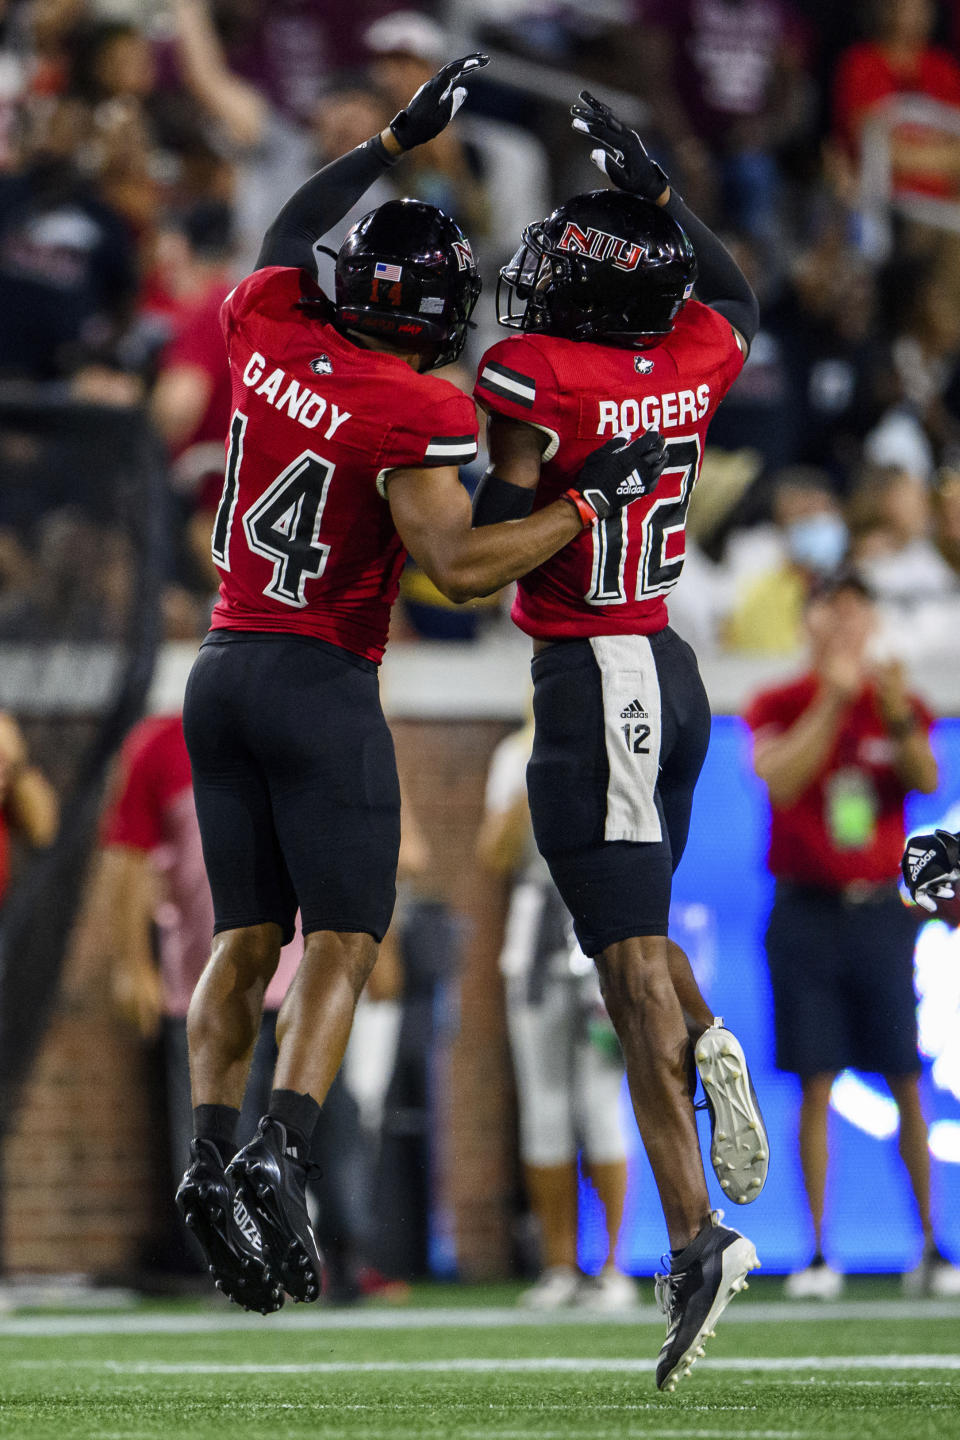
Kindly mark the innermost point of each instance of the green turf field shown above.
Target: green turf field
(465, 1365)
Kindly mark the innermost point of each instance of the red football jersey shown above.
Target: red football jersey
(303, 534)
(614, 577)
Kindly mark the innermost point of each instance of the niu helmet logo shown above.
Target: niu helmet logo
(461, 248)
(600, 245)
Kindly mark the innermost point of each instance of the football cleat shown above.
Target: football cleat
(693, 1294)
(270, 1178)
(225, 1232)
(739, 1149)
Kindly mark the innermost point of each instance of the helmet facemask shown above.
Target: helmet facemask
(525, 278)
(605, 267)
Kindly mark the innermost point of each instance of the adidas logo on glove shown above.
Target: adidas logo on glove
(916, 859)
(632, 485)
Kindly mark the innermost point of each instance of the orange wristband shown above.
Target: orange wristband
(583, 507)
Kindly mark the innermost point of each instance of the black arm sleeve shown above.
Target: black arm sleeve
(721, 283)
(495, 500)
(319, 203)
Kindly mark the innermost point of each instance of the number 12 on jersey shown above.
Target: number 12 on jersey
(665, 517)
(282, 524)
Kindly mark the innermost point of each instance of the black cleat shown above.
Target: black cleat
(702, 1281)
(271, 1179)
(739, 1148)
(225, 1232)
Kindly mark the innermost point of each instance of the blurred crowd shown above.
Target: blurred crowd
(144, 147)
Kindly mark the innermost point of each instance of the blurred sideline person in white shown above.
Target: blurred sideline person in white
(567, 1063)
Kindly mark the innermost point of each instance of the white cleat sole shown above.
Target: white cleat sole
(739, 1150)
(738, 1260)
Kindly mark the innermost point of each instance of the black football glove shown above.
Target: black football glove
(621, 154)
(931, 867)
(620, 471)
(435, 103)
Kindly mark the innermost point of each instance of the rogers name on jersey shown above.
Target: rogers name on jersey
(299, 402)
(653, 412)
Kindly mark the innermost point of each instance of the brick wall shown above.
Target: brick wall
(85, 1187)
(83, 1178)
(444, 766)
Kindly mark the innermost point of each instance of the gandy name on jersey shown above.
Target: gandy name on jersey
(612, 579)
(303, 536)
(286, 393)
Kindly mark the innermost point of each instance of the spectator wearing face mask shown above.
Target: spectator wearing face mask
(809, 540)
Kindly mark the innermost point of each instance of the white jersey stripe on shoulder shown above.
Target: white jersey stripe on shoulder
(497, 380)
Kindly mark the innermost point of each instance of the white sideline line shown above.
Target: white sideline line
(659, 1434)
(553, 1364)
(481, 1318)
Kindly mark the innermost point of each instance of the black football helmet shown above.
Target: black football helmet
(606, 266)
(406, 274)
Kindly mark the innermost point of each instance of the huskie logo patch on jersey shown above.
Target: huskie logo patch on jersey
(601, 245)
(642, 365)
(321, 365)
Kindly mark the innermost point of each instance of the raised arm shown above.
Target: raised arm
(327, 196)
(237, 104)
(623, 158)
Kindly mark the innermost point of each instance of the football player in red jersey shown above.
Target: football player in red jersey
(342, 453)
(612, 343)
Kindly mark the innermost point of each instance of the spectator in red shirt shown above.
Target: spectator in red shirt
(838, 750)
(898, 61)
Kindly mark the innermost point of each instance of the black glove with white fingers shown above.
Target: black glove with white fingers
(931, 868)
(620, 471)
(620, 153)
(435, 103)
